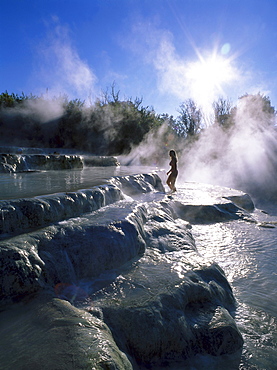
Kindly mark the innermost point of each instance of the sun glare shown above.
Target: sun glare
(207, 78)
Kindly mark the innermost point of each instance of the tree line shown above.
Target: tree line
(112, 126)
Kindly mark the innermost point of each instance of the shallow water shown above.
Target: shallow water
(247, 254)
(35, 183)
(246, 251)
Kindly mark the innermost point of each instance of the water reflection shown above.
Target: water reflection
(245, 252)
(219, 243)
(30, 184)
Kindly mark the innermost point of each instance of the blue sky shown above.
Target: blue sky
(164, 51)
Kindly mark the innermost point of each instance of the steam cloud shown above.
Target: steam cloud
(63, 73)
(62, 69)
(243, 157)
(246, 156)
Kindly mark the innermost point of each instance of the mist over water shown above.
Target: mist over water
(244, 156)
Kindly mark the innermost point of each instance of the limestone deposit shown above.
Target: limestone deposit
(119, 283)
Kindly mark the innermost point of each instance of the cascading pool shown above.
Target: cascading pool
(245, 250)
(30, 184)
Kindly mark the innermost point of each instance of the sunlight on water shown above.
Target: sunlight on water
(259, 331)
(216, 242)
(246, 252)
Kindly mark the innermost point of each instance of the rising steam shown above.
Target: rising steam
(61, 68)
(242, 157)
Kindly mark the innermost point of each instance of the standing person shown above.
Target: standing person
(173, 172)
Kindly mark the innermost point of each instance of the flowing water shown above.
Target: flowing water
(247, 254)
(246, 251)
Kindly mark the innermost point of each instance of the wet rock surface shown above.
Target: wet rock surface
(46, 333)
(171, 304)
(133, 270)
(100, 161)
(11, 163)
(32, 213)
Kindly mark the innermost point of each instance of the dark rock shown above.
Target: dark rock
(51, 334)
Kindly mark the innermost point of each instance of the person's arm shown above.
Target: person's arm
(168, 172)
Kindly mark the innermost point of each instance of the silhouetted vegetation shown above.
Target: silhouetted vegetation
(110, 126)
(188, 123)
(223, 114)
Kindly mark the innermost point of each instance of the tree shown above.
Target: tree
(111, 97)
(123, 123)
(223, 112)
(188, 124)
(11, 100)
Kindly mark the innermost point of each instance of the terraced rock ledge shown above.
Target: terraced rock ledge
(110, 278)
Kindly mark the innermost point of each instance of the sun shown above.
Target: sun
(211, 73)
(207, 78)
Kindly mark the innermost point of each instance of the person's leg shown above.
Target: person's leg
(169, 181)
(173, 183)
